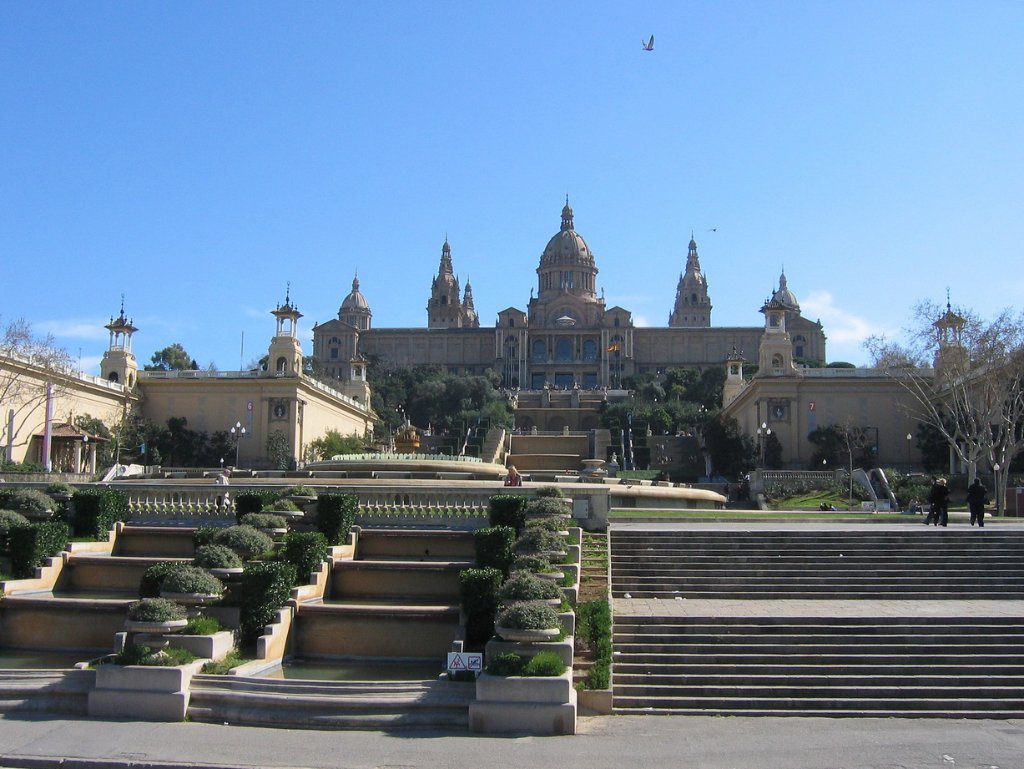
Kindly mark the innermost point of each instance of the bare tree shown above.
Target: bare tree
(965, 376)
(29, 366)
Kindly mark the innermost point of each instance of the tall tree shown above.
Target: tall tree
(966, 379)
(171, 358)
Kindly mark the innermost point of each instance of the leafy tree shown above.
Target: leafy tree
(731, 451)
(333, 443)
(278, 450)
(104, 449)
(171, 358)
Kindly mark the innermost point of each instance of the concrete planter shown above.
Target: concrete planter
(527, 635)
(524, 705)
(141, 692)
(215, 646)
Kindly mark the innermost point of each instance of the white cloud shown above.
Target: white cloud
(641, 320)
(841, 326)
(73, 329)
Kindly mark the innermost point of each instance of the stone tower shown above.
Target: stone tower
(445, 308)
(693, 305)
(119, 364)
(285, 353)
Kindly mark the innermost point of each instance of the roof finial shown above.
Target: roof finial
(948, 307)
(288, 293)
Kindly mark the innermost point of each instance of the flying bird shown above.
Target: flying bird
(649, 45)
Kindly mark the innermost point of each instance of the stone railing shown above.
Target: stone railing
(190, 505)
(396, 457)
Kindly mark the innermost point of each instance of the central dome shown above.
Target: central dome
(355, 300)
(567, 246)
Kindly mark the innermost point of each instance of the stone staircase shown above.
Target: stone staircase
(396, 603)
(929, 564)
(897, 622)
(46, 691)
(331, 704)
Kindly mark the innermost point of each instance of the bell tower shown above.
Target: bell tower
(775, 353)
(119, 364)
(285, 353)
(693, 305)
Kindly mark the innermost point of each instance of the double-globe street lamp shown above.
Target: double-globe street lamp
(762, 437)
(237, 432)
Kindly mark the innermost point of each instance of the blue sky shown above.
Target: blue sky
(197, 157)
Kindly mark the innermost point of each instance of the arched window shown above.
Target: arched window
(777, 363)
(113, 377)
(590, 350)
(282, 365)
(540, 350)
(563, 350)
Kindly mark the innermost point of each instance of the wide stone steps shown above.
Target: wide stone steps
(331, 704)
(920, 665)
(45, 691)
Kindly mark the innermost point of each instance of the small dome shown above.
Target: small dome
(784, 296)
(355, 300)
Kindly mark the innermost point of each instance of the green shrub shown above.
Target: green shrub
(526, 586)
(248, 542)
(156, 610)
(153, 577)
(544, 664)
(191, 579)
(306, 551)
(284, 506)
(216, 557)
(231, 661)
(97, 510)
(531, 562)
(528, 615)
(31, 545)
(546, 507)
(493, 547)
(31, 503)
(265, 587)
(594, 630)
(9, 520)
(507, 510)
(248, 502)
(477, 588)
(299, 491)
(536, 540)
(60, 487)
(553, 523)
(204, 536)
(505, 664)
(550, 492)
(137, 654)
(202, 625)
(335, 516)
(264, 521)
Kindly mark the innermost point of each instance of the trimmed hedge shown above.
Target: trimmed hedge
(494, 547)
(31, 545)
(9, 519)
(204, 536)
(254, 501)
(265, 587)
(507, 510)
(305, 550)
(478, 589)
(335, 516)
(97, 510)
(216, 557)
(192, 579)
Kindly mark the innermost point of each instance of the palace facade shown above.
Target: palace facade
(565, 338)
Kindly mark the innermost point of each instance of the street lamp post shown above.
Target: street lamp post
(999, 496)
(910, 437)
(237, 432)
(762, 437)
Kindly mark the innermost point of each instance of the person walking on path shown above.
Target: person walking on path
(977, 498)
(938, 497)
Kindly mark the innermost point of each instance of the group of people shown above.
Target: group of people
(938, 501)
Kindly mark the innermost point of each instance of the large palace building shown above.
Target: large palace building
(565, 339)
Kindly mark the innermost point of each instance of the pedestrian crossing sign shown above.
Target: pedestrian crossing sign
(471, 661)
